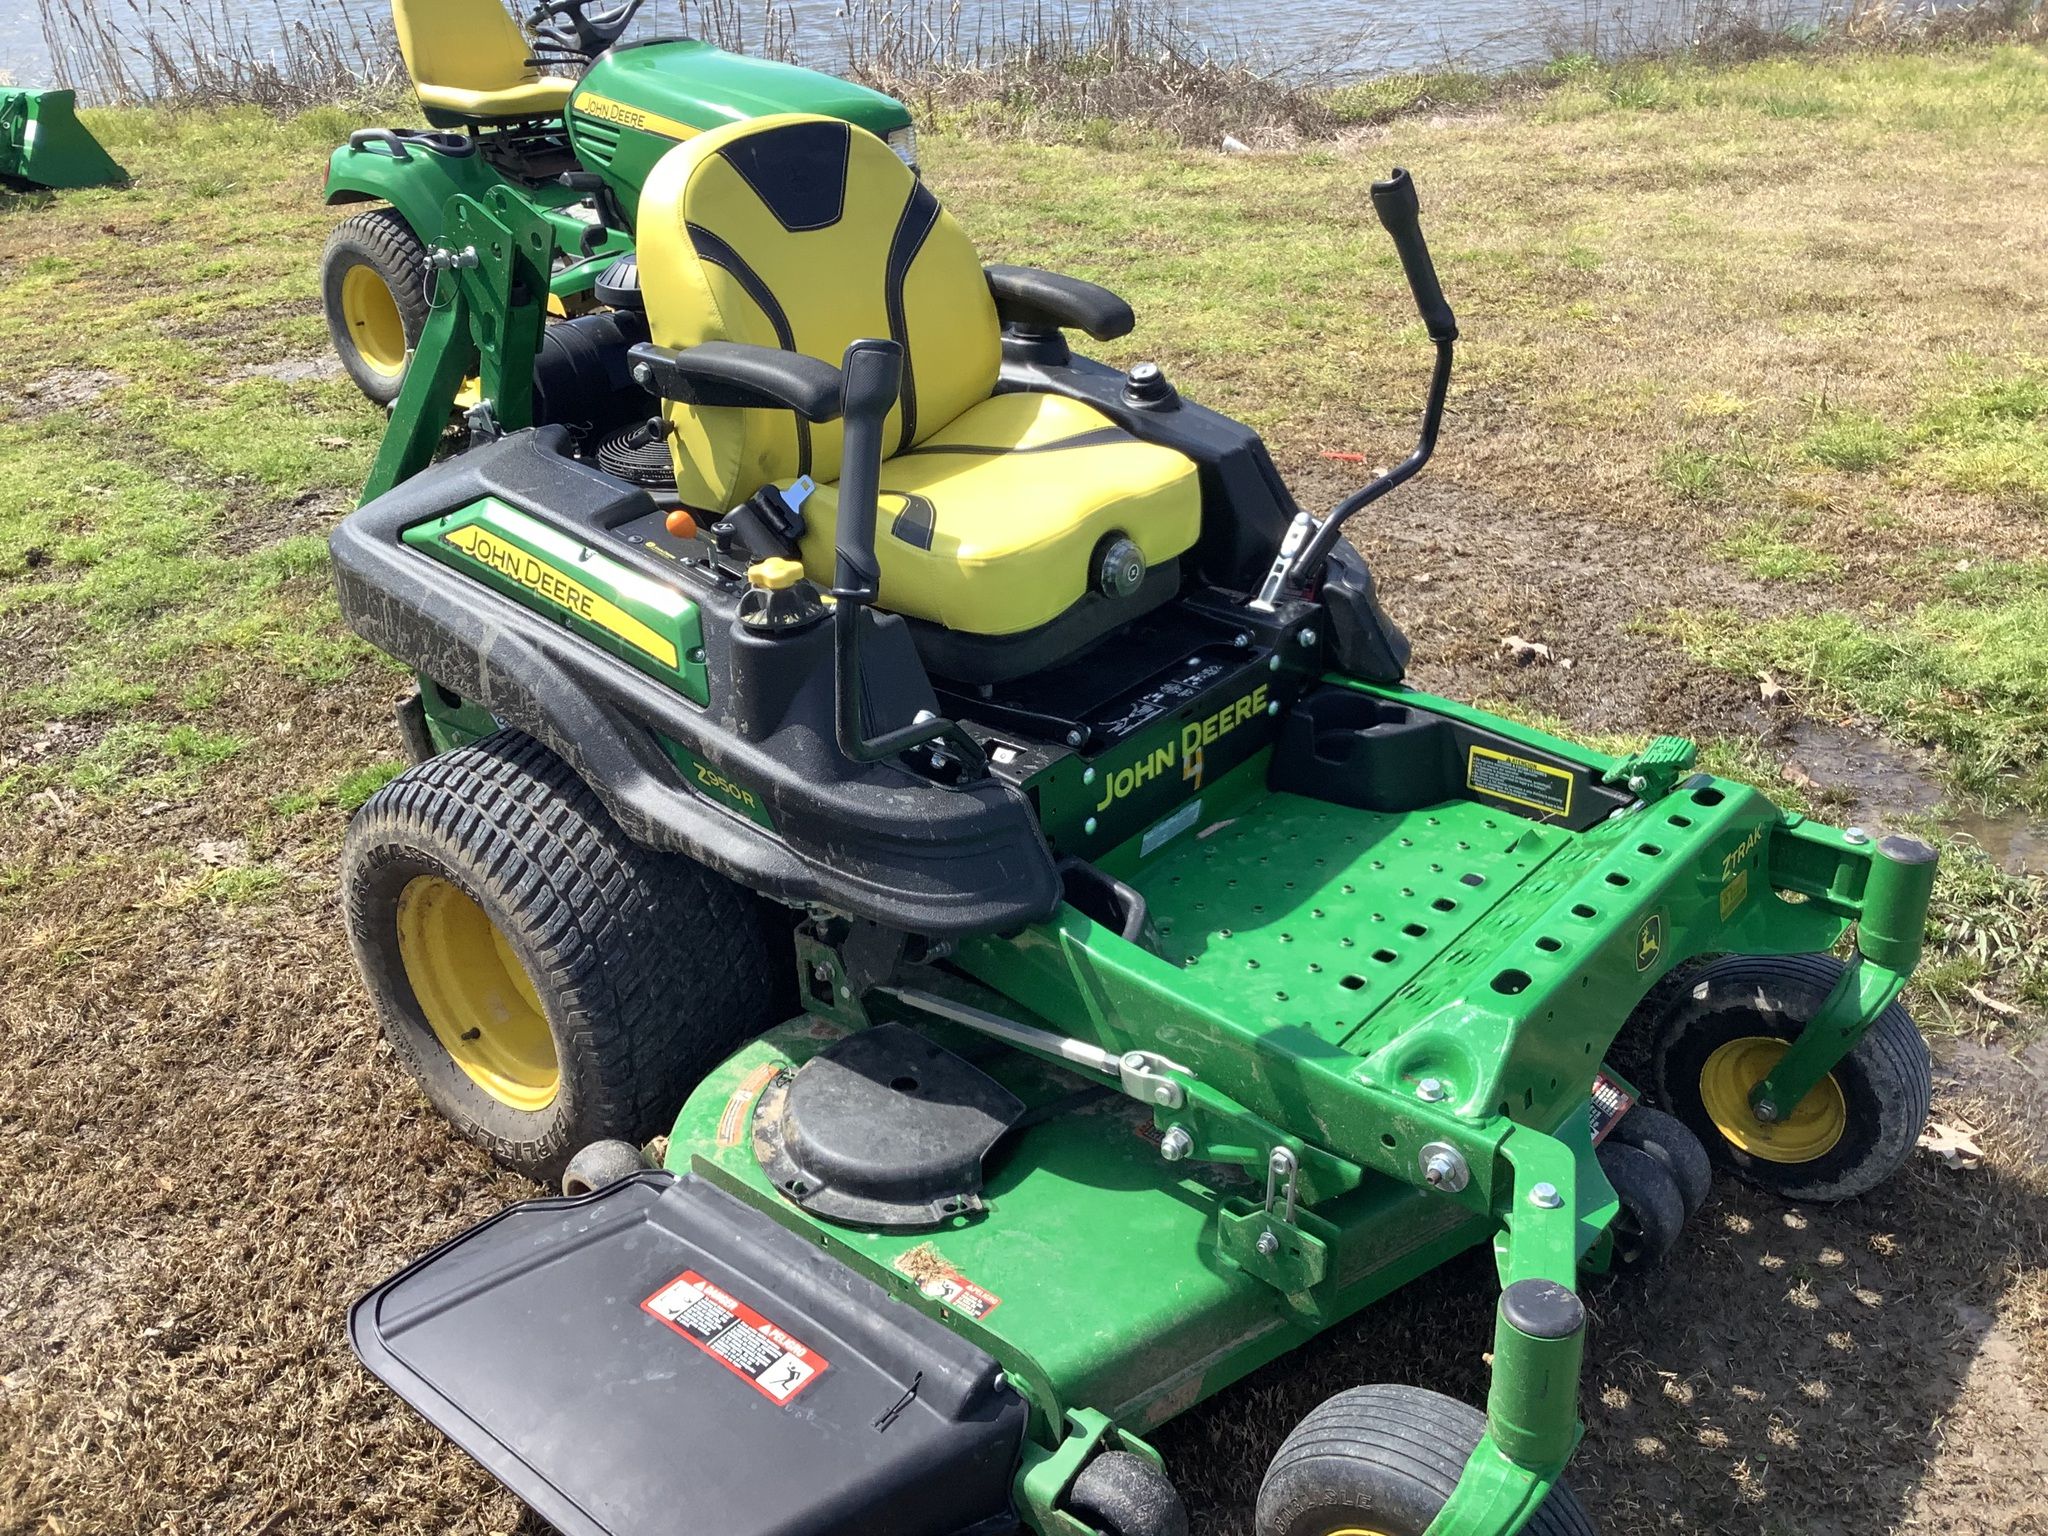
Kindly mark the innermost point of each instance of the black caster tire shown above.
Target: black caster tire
(1730, 1023)
(600, 1165)
(549, 982)
(1385, 1459)
(1652, 1210)
(1671, 1141)
(373, 286)
(1125, 1495)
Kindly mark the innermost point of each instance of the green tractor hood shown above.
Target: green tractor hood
(636, 103)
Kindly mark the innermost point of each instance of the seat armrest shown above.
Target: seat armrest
(1050, 300)
(735, 373)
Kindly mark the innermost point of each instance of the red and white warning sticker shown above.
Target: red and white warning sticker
(945, 1284)
(1610, 1102)
(736, 1336)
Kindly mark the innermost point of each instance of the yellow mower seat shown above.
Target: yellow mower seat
(469, 61)
(988, 525)
(805, 233)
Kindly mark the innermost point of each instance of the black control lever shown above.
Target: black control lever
(1308, 542)
(873, 375)
(1400, 214)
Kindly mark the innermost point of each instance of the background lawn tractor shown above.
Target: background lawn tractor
(566, 127)
(980, 819)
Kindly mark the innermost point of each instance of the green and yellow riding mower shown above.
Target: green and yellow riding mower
(566, 125)
(978, 818)
(43, 145)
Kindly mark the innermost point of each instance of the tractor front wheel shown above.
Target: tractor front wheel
(1730, 1024)
(1383, 1461)
(373, 285)
(548, 981)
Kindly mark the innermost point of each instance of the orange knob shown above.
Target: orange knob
(681, 524)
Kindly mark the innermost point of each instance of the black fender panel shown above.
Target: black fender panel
(872, 841)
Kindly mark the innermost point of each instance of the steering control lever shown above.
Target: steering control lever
(1308, 541)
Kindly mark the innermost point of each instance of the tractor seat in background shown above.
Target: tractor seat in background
(471, 64)
(1002, 516)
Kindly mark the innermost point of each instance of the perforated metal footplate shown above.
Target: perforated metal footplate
(1299, 912)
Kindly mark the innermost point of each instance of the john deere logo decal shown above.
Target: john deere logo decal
(1649, 941)
(555, 586)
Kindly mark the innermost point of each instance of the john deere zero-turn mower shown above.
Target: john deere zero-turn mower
(979, 818)
(568, 124)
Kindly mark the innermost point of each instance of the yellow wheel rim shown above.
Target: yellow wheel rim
(1810, 1131)
(1357, 1530)
(476, 995)
(374, 324)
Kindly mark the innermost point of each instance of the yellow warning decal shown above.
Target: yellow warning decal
(561, 589)
(604, 108)
(1519, 781)
(1734, 894)
(734, 1118)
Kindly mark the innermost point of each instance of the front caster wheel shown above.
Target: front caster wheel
(1125, 1495)
(1671, 1142)
(1730, 1025)
(1382, 1461)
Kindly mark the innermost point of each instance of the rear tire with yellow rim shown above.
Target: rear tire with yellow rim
(1725, 1025)
(549, 982)
(373, 285)
(1383, 1461)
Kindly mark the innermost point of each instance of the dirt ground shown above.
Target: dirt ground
(206, 1152)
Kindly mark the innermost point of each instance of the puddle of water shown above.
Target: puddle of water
(2018, 840)
(1871, 782)
(1865, 777)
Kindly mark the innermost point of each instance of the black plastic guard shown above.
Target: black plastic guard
(659, 1358)
(870, 840)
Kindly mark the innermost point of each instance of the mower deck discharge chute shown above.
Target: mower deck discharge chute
(43, 144)
(979, 818)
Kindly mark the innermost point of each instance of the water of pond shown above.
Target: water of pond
(1318, 37)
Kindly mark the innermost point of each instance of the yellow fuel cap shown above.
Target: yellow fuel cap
(775, 575)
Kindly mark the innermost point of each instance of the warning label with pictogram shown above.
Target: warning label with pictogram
(945, 1284)
(736, 1336)
(1610, 1101)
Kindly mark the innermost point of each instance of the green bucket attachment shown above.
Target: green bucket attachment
(43, 144)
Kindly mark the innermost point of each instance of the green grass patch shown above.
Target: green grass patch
(1762, 549)
(346, 793)
(1970, 678)
(1692, 475)
(1388, 96)
(1991, 439)
(1851, 441)
(138, 757)
(88, 688)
